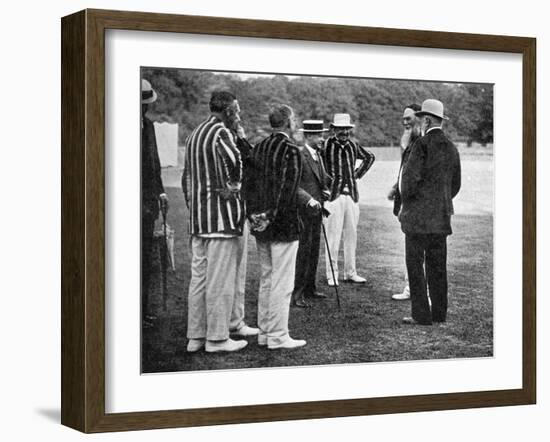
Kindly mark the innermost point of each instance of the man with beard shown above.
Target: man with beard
(211, 182)
(340, 154)
(273, 213)
(314, 182)
(152, 195)
(411, 132)
(430, 178)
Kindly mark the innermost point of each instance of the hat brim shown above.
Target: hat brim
(151, 99)
(422, 113)
(309, 131)
(337, 126)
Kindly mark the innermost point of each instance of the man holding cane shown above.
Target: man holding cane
(314, 182)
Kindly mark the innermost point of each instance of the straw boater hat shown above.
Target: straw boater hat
(148, 94)
(313, 127)
(432, 107)
(342, 121)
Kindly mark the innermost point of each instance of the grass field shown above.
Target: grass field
(368, 328)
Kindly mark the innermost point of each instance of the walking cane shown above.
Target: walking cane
(164, 257)
(331, 267)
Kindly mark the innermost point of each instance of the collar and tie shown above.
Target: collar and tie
(313, 153)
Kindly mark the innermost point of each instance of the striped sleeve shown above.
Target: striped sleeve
(229, 156)
(333, 166)
(185, 176)
(368, 160)
(291, 173)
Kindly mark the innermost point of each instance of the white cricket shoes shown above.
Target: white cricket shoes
(228, 345)
(195, 345)
(406, 295)
(288, 344)
(245, 331)
(356, 279)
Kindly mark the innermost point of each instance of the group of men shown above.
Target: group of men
(287, 195)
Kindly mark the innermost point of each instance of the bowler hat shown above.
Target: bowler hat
(432, 107)
(148, 94)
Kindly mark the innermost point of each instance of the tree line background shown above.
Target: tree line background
(376, 105)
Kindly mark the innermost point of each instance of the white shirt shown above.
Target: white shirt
(313, 152)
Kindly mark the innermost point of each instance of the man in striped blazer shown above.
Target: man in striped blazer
(273, 211)
(340, 154)
(211, 182)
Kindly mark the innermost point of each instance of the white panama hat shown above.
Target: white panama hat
(432, 107)
(148, 94)
(342, 120)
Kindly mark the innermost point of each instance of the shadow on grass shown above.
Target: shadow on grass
(368, 328)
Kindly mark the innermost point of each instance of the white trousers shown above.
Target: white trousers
(343, 220)
(237, 313)
(212, 287)
(278, 265)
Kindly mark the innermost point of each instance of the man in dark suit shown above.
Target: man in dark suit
(152, 196)
(315, 183)
(411, 132)
(273, 204)
(429, 180)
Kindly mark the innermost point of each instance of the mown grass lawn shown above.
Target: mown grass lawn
(368, 328)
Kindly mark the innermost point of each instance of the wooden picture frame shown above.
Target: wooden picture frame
(83, 220)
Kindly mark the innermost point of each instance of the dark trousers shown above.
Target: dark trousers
(307, 258)
(430, 249)
(147, 228)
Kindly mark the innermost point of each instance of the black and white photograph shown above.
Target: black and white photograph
(260, 222)
(297, 220)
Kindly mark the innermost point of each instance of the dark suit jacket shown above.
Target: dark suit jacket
(314, 180)
(151, 180)
(430, 179)
(395, 188)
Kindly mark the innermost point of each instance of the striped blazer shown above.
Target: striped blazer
(340, 162)
(212, 166)
(277, 168)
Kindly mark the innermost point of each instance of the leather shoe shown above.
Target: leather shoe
(331, 283)
(410, 321)
(301, 303)
(316, 295)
